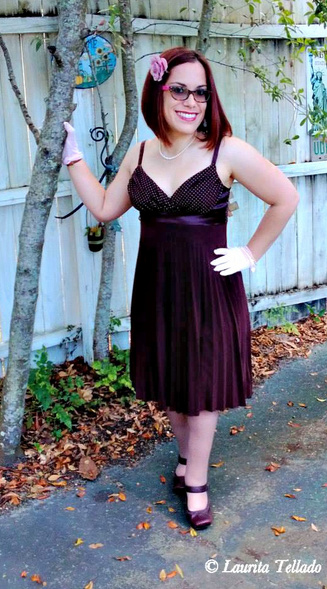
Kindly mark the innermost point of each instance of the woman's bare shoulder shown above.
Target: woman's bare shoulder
(232, 145)
(132, 156)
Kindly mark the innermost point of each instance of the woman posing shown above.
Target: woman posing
(190, 327)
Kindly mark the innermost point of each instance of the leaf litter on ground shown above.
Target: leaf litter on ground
(123, 432)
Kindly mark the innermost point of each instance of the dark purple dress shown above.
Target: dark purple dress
(190, 327)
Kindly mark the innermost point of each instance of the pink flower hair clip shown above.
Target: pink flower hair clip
(158, 67)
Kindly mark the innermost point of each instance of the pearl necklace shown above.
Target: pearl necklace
(166, 157)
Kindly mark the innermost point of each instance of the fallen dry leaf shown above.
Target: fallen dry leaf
(278, 531)
(172, 524)
(70, 508)
(122, 558)
(272, 466)
(95, 546)
(162, 478)
(314, 528)
(234, 429)
(217, 464)
(179, 570)
(87, 468)
(171, 574)
(143, 525)
(78, 542)
(298, 518)
(54, 477)
(36, 579)
(162, 575)
(290, 495)
(89, 585)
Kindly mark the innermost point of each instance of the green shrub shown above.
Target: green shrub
(57, 402)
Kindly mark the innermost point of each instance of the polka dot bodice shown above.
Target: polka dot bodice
(199, 194)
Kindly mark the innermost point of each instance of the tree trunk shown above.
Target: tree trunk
(101, 328)
(36, 212)
(203, 39)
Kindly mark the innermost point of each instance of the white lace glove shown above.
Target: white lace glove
(233, 259)
(70, 152)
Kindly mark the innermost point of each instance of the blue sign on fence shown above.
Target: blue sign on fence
(98, 60)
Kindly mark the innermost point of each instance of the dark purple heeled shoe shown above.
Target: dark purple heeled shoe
(203, 517)
(179, 482)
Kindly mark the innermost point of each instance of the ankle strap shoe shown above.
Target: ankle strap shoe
(179, 481)
(201, 518)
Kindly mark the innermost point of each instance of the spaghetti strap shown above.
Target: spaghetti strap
(215, 153)
(141, 153)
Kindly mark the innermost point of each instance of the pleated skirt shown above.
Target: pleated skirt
(190, 344)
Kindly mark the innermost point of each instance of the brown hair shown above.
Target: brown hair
(152, 99)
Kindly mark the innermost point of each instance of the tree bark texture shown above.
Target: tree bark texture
(102, 317)
(39, 199)
(203, 39)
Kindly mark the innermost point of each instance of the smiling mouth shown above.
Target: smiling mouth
(186, 116)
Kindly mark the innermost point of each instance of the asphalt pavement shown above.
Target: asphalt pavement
(40, 537)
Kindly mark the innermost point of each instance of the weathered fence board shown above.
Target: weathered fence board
(16, 131)
(70, 272)
(235, 12)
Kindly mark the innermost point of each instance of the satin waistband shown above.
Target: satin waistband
(217, 216)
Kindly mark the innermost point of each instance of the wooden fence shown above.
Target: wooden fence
(294, 270)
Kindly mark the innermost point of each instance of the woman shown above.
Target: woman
(190, 328)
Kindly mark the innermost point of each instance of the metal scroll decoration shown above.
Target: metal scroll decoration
(99, 134)
(101, 52)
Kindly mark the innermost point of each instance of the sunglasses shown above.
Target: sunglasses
(182, 93)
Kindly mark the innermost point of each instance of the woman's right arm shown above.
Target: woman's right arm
(105, 205)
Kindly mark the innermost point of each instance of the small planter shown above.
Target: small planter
(95, 237)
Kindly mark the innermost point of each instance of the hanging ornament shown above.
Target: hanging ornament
(101, 52)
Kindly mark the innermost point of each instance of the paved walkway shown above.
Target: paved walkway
(247, 500)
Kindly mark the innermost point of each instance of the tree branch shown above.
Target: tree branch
(101, 327)
(203, 40)
(17, 92)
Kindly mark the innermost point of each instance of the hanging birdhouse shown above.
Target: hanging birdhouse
(96, 63)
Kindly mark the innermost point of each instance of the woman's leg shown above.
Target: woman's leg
(180, 428)
(201, 434)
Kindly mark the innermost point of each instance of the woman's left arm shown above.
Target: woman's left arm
(268, 183)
